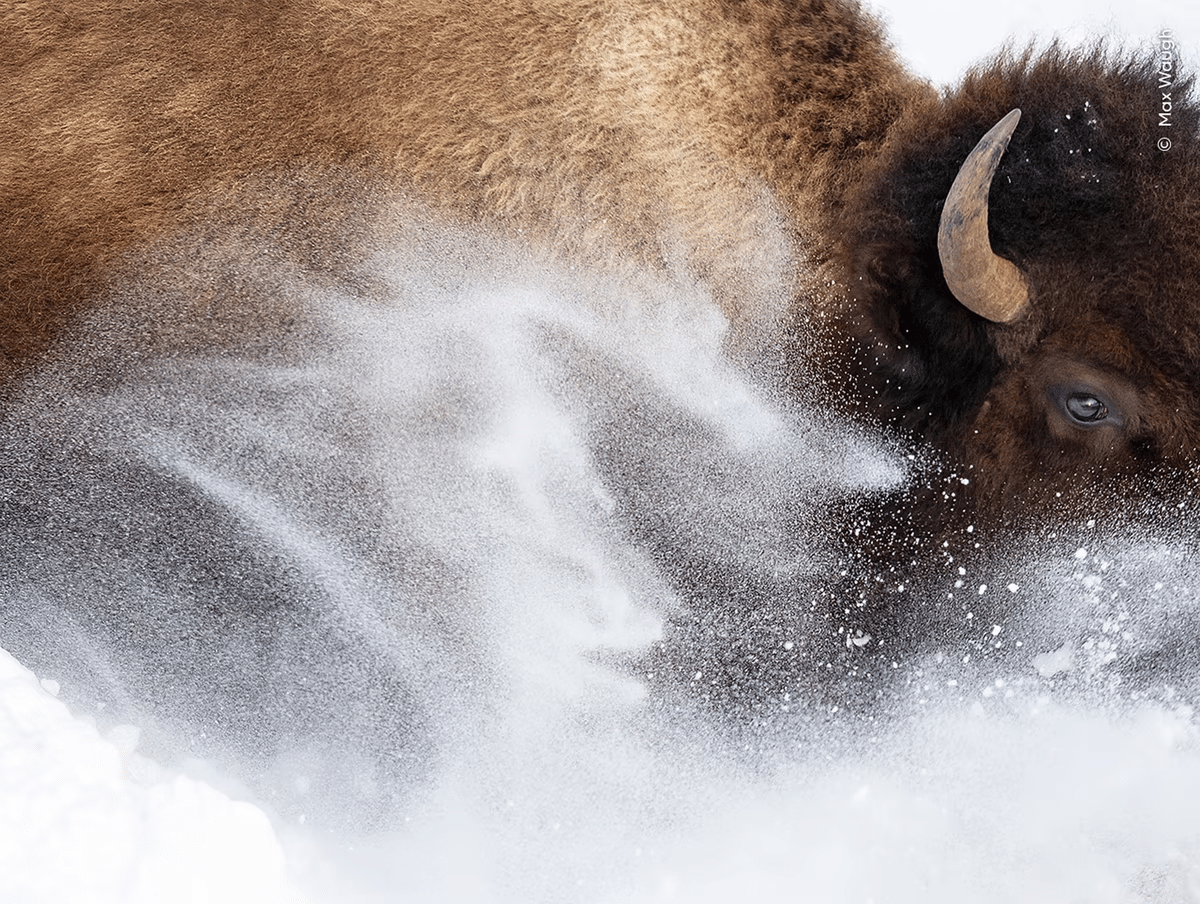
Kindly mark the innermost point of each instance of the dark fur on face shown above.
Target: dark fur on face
(1104, 226)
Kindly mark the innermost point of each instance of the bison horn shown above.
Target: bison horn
(983, 282)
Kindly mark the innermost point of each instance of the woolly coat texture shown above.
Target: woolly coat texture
(669, 135)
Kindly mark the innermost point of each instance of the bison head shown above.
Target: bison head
(1052, 354)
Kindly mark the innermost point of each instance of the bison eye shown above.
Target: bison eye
(1086, 409)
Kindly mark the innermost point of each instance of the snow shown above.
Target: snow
(1028, 767)
(84, 821)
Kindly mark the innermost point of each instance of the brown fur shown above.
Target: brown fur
(612, 130)
(650, 133)
(1105, 227)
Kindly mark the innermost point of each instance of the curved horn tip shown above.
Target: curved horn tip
(1005, 127)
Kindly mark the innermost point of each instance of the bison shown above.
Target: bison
(1003, 275)
(1048, 350)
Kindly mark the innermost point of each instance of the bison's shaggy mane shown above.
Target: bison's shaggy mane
(1083, 202)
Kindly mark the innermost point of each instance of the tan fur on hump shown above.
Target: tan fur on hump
(648, 131)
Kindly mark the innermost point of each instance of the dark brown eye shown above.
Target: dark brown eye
(1086, 409)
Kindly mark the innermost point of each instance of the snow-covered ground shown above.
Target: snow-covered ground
(84, 820)
(414, 533)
